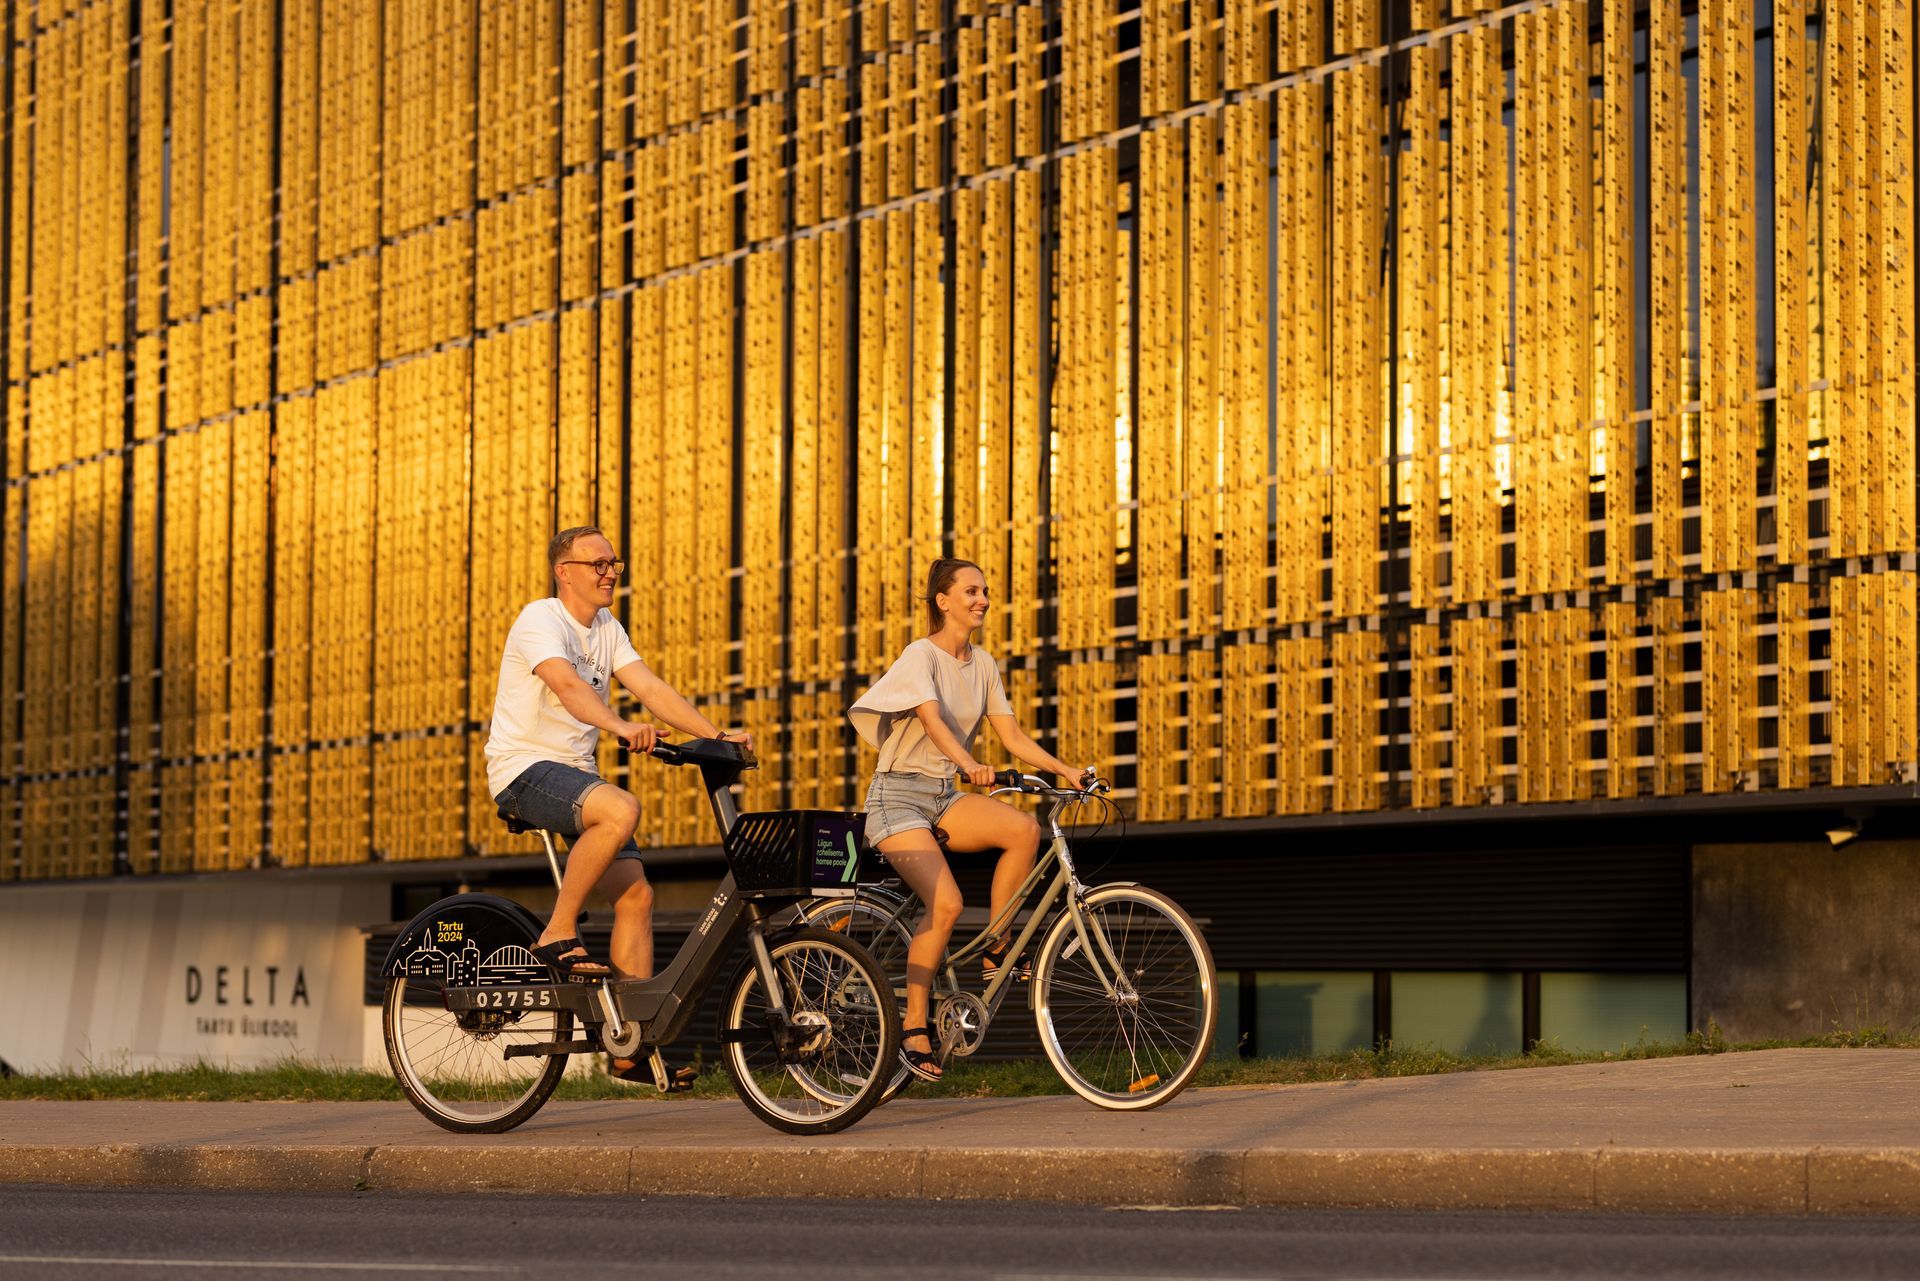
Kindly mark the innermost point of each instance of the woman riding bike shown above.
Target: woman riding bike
(922, 715)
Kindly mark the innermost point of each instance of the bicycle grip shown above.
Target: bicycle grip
(1006, 778)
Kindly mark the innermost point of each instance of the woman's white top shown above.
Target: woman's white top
(967, 690)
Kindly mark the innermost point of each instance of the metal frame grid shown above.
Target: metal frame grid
(1281, 367)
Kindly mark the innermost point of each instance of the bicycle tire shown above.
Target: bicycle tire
(410, 1027)
(1106, 1049)
(837, 981)
(873, 921)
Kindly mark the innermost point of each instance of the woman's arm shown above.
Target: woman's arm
(943, 738)
(1028, 752)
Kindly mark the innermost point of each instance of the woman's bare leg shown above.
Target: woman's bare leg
(975, 823)
(916, 858)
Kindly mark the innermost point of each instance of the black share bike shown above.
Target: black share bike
(479, 1031)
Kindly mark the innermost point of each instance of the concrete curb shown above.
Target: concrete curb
(1759, 1181)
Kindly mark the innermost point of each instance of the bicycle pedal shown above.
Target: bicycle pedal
(676, 1082)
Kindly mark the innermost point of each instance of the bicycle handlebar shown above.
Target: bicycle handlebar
(699, 751)
(1012, 780)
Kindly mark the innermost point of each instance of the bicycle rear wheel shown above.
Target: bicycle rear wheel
(451, 1066)
(1139, 1044)
(847, 1029)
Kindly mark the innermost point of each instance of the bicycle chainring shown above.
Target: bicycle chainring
(961, 1023)
(624, 1040)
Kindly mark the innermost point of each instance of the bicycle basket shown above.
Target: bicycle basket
(801, 854)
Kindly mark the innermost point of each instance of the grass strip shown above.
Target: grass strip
(292, 1081)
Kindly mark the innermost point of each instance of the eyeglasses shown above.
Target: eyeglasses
(601, 568)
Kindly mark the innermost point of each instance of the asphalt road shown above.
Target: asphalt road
(68, 1234)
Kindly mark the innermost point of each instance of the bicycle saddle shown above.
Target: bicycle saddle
(514, 825)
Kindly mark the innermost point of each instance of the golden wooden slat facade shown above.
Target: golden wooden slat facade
(330, 311)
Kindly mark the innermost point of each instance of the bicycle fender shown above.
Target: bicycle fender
(459, 938)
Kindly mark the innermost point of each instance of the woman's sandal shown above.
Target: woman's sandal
(576, 969)
(990, 963)
(918, 1061)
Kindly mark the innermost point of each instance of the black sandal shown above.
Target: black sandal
(918, 1061)
(990, 963)
(640, 1072)
(575, 969)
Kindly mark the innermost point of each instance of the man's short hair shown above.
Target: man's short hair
(563, 543)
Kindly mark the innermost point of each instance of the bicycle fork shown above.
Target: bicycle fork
(1119, 987)
(1092, 939)
(791, 1037)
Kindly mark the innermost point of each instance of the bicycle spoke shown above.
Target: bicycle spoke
(458, 1072)
(1143, 1041)
(838, 1021)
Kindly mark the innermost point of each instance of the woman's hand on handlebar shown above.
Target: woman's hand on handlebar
(1087, 778)
(977, 775)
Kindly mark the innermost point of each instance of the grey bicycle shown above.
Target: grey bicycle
(1122, 984)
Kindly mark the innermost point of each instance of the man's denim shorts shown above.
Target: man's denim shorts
(548, 794)
(900, 802)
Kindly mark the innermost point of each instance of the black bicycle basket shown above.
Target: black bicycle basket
(800, 854)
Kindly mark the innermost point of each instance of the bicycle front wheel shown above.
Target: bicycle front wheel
(876, 921)
(844, 1037)
(1128, 1020)
(453, 1067)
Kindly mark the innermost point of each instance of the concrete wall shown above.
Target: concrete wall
(1796, 940)
(133, 974)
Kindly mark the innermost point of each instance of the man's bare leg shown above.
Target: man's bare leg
(609, 815)
(625, 886)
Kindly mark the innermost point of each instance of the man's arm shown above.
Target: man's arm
(664, 701)
(579, 699)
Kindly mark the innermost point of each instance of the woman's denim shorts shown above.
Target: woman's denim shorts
(900, 802)
(548, 794)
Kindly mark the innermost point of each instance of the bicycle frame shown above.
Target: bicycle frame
(655, 1011)
(1065, 882)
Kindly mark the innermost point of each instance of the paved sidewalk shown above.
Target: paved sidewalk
(1780, 1131)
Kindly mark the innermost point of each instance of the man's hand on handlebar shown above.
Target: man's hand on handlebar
(638, 736)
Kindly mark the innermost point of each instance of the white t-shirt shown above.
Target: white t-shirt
(529, 723)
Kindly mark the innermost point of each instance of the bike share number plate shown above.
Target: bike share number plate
(500, 998)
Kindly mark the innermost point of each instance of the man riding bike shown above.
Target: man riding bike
(561, 658)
